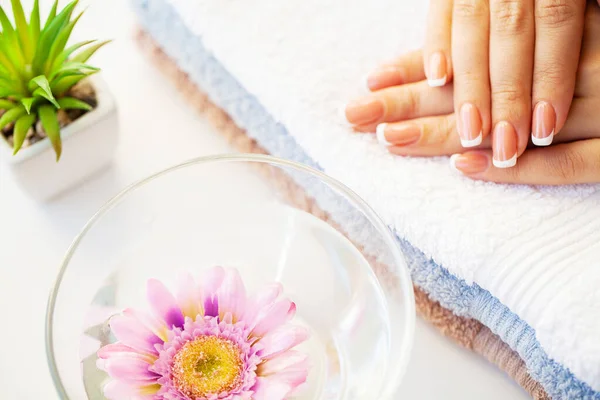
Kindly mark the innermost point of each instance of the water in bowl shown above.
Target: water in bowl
(337, 295)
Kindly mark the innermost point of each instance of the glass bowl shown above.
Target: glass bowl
(273, 220)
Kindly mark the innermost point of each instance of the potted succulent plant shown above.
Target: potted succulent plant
(58, 124)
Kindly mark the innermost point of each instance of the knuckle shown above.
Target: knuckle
(556, 13)
(510, 16)
(508, 94)
(413, 102)
(446, 130)
(550, 74)
(470, 9)
(513, 174)
(566, 164)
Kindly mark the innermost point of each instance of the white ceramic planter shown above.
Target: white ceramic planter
(88, 146)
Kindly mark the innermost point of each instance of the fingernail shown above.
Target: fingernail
(365, 111)
(471, 129)
(504, 143)
(437, 70)
(384, 77)
(401, 134)
(544, 122)
(469, 163)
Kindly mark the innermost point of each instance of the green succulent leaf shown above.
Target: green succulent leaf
(7, 28)
(62, 85)
(39, 92)
(48, 36)
(4, 61)
(28, 103)
(43, 89)
(71, 103)
(9, 84)
(60, 42)
(10, 41)
(72, 68)
(10, 93)
(39, 81)
(62, 57)
(22, 29)
(34, 22)
(8, 89)
(20, 132)
(50, 123)
(11, 116)
(85, 55)
(52, 14)
(6, 104)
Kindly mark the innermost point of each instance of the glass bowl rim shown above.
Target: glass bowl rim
(372, 216)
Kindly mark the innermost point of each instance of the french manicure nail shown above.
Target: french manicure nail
(365, 111)
(544, 122)
(384, 77)
(471, 127)
(438, 74)
(399, 134)
(504, 143)
(469, 163)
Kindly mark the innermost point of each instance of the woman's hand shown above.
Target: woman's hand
(506, 58)
(414, 119)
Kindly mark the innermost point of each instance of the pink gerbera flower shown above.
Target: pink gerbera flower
(210, 341)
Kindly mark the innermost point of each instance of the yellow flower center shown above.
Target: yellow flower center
(207, 365)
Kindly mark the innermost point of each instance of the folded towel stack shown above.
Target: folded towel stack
(523, 261)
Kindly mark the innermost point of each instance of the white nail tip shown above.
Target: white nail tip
(453, 158)
(380, 131)
(547, 141)
(505, 164)
(437, 82)
(473, 142)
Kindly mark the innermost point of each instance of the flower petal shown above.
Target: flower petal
(129, 369)
(189, 296)
(112, 349)
(115, 390)
(157, 327)
(133, 333)
(118, 390)
(290, 360)
(270, 389)
(210, 286)
(260, 300)
(282, 340)
(164, 304)
(232, 295)
(293, 375)
(120, 350)
(273, 317)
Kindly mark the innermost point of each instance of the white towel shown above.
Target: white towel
(537, 249)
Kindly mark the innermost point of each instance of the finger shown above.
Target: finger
(558, 33)
(399, 103)
(589, 61)
(511, 70)
(470, 51)
(581, 123)
(437, 136)
(437, 50)
(405, 69)
(430, 136)
(569, 163)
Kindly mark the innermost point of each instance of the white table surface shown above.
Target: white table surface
(157, 130)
